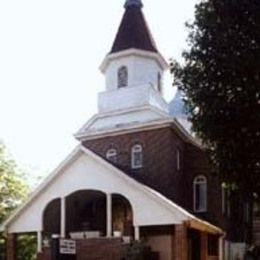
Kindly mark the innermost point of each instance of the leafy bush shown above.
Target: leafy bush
(26, 247)
(135, 251)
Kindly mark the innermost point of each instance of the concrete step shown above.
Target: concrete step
(256, 228)
(256, 237)
(256, 224)
(256, 231)
(256, 221)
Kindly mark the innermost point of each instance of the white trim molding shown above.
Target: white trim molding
(134, 52)
(200, 200)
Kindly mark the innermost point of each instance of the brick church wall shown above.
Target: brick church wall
(11, 244)
(196, 163)
(159, 155)
(92, 249)
(106, 249)
(160, 166)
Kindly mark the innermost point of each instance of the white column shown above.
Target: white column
(137, 233)
(109, 215)
(39, 241)
(63, 218)
(220, 248)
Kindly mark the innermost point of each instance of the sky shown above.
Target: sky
(50, 53)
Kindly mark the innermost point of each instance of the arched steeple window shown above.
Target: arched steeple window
(159, 82)
(137, 156)
(200, 194)
(122, 77)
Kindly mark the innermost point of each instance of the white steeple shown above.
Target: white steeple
(134, 68)
(133, 71)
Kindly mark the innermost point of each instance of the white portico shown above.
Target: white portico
(82, 171)
(133, 71)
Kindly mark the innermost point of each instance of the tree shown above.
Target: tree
(221, 79)
(27, 247)
(13, 190)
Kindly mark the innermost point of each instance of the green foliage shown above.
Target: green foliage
(137, 250)
(134, 251)
(26, 247)
(221, 79)
(13, 191)
(2, 247)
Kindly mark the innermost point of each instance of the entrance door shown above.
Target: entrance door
(194, 245)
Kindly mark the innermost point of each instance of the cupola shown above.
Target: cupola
(133, 70)
(133, 60)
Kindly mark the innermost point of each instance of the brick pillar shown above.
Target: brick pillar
(203, 246)
(180, 243)
(11, 247)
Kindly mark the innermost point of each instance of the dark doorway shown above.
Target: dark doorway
(194, 244)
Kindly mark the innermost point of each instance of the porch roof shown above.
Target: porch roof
(84, 170)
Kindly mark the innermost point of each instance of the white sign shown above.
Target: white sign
(67, 247)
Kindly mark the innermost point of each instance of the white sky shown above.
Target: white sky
(50, 51)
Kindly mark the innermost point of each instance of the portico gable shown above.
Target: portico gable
(84, 170)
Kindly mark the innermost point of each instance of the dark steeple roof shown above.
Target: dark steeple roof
(133, 31)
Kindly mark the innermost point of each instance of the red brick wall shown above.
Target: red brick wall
(180, 243)
(203, 246)
(196, 163)
(160, 171)
(45, 255)
(159, 146)
(93, 249)
(105, 249)
(11, 242)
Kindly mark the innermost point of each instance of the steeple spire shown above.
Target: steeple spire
(130, 3)
(133, 32)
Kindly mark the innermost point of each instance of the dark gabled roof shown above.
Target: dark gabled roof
(133, 31)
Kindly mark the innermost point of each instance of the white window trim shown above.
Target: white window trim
(159, 82)
(125, 81)
(111, 153)
(137, 148)
(195, 182)
(247, 212)
(228, 203)
(223, 199)
(178, 159)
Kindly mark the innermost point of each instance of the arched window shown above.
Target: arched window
(200, 194)
(159, 82)
(137, 156)
(122, 77)
(111, 155)
(225, 194)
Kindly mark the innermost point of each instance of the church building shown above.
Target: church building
(137, 177)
